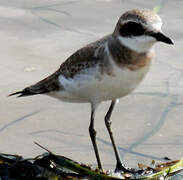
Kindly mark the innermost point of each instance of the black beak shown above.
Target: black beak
(161, 37)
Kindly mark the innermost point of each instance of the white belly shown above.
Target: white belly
(92, 86)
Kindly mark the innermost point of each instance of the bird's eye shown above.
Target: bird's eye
(132, 29)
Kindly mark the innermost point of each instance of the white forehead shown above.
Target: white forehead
(152, 26)
(156, 26)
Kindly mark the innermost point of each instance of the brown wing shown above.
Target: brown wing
(86, 57)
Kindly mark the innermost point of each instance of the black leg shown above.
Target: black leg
(119, 165)
(93, 137)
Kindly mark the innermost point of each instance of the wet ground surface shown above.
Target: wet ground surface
(37, 36)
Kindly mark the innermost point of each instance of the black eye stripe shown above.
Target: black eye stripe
(132, 29)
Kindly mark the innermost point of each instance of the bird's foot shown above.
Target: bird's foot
(121, 167)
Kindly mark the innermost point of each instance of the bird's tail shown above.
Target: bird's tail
(44, 86)
(24, 92)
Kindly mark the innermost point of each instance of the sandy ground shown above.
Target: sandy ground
(37, 36)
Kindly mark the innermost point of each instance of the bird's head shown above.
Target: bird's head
(139, 30)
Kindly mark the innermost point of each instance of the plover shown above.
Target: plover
(106, 70)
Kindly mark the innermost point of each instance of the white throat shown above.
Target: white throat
(139, 43)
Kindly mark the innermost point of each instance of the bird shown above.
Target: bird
(106, 70)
